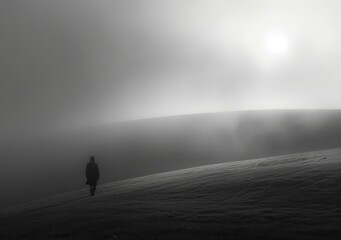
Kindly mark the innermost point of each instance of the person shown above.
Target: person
(92, 175)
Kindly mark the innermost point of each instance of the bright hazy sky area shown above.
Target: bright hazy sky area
(71, 63)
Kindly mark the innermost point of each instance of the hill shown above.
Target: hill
(293, 196)
(143, 147)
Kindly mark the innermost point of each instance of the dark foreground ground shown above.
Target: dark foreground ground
(286, 197)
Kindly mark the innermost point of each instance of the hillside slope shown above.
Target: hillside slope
(144, 147)
(285, 197)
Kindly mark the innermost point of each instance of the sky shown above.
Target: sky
(72, 63)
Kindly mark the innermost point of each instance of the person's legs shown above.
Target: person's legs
(93, 189)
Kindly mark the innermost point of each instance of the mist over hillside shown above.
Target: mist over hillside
(54, 164)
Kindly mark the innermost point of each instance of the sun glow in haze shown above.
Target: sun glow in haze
(98, 62)
(276, 43)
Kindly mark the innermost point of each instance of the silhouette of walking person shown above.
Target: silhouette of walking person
(92, 175)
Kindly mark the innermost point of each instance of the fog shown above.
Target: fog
(45, 166)
(67, 64)
(77, 75)
(201, 114)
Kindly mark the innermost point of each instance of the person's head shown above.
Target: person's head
(92, 159)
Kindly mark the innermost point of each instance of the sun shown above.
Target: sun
(276, 43)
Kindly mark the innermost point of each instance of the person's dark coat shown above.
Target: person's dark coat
(92, 173)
